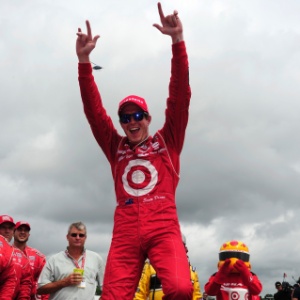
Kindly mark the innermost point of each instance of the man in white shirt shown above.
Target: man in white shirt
(73, 273)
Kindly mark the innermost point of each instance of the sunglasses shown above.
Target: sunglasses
(137, 116)
(81, 235)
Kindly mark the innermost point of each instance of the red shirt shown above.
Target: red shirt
(8, 279)
(23, 273)
(37, 260)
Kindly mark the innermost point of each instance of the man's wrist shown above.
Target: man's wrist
(83, 59)
(177, 38)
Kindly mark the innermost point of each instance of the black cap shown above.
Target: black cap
(277, 283)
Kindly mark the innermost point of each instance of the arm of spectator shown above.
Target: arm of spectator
(52, 287)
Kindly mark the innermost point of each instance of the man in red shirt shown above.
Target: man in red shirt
(8, 279)
(146, 171)
(20, 261)
(37, 259)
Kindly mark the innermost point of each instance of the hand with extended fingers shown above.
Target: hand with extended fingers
(85, 43)
(170, 25)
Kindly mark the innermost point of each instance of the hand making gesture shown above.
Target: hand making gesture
(85, 43)
(171, 25)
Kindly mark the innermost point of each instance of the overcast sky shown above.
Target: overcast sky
(240, 164)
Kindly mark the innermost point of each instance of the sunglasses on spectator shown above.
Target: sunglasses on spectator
(81, 235)
(137, 116)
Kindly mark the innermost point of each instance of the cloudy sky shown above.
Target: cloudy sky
(240, 163)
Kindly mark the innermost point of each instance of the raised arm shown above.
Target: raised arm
(85, 43)
(170, 25)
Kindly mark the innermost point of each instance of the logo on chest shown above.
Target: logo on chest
(139, 178)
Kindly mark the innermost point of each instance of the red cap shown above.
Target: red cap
(141, 102)
(20, 223)
(6, 218)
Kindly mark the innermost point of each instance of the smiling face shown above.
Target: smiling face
(136, 131)
(22, 234)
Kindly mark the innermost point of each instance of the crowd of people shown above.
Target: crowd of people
(76, 272)
(20, 264)
(286, 291)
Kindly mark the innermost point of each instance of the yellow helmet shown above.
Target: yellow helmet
(234, 250)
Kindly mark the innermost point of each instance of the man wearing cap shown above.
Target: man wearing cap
(20, 261)
(283, 292)
(145, 170)
(37, 260)
(8, 279)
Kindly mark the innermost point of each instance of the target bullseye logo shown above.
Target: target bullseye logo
(235, 296)
(139, 178)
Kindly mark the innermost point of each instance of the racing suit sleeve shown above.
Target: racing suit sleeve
(143, 289)
(249, 279)
(178, 102)
(211, 287)
(8, 281)
(34, 295)
(215, 281)
(196, 285)
(101, 124)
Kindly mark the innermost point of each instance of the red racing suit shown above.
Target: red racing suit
(37, 261)
(23, 273)
(145, 179)
(234, 288)
(8, 279)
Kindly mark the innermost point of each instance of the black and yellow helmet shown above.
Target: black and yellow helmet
(234, 250)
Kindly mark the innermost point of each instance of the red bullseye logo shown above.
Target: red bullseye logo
(139, 178)
(235, 296)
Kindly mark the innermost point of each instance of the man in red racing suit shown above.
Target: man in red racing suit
(8, 279)
(145, 170)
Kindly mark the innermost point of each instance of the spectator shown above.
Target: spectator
(296, 292)
(20, 261)
(145, 170)
(8, 279)
(234, 280)
(150, 286)
(281, 294)
(37, 260)
(73, 273)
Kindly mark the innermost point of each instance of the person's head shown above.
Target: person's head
(278, 285)
(21, 232)
(204, 295)
(134, 118)
(7, 226)
(77, 235)
(234, 250)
